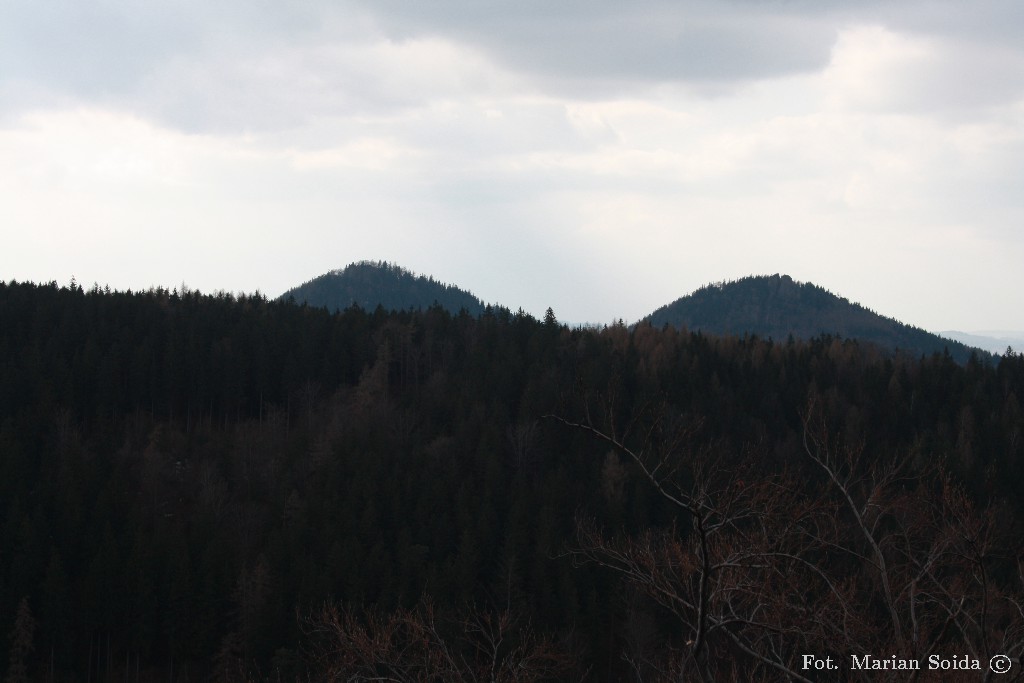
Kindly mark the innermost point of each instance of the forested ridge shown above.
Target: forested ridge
(225, 487)
(370, 284)
(777, 306)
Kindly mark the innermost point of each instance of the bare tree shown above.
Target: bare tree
(864, 558)
(415, 646)
(935, 577)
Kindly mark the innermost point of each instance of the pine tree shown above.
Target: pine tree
(21, 644)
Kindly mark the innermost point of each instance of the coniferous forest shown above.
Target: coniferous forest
(222, 487)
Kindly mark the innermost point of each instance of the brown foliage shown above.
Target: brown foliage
(866, 557)
(416, 646)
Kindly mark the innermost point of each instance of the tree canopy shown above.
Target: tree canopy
(187, 480)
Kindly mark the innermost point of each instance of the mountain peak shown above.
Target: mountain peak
(369, 284)
(778, 306)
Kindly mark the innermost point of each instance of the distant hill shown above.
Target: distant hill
(995, 341)
(776, 306)
(369, 284)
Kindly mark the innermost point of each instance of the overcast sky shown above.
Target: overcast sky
(600, 157)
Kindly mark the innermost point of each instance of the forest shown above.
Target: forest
(777, 306)
(369, 284)
(227, 488)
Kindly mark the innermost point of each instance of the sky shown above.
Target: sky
(603, 158)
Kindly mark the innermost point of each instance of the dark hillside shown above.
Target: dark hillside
(186, 481)
(370, 284)
(776, 306)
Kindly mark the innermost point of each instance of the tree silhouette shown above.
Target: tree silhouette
(21, 644)
(870, 558)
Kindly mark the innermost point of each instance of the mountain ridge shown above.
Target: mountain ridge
(775, 306)
(996, 342)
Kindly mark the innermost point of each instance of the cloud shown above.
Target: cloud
(265, 66)
(598, 157)
(296, 84)
(607, 46)
(875, 69)
(113, 198)
(88, 49)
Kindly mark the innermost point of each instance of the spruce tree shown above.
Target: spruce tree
(21, 644)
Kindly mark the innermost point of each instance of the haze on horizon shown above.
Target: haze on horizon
(598, 158)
